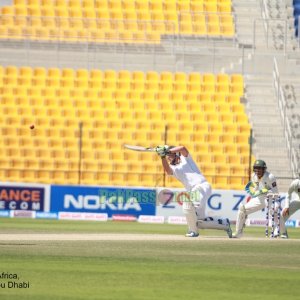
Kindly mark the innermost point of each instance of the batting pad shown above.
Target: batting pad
(212, 223)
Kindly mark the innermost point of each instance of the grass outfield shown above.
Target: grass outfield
(200, 268)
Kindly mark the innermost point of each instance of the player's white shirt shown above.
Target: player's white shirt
(188, 173)
(268, 181)
(294, 188)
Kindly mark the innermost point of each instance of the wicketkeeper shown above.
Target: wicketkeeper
(291, 205)
(262, 182)
(177, 162)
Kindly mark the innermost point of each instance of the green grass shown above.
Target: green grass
(197, 269)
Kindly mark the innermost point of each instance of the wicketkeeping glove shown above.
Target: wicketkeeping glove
(162, 151)
(250, 188)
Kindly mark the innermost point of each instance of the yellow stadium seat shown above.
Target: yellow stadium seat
(183, 6)
(195, 78)
(215, 127)
(130, 15)
(166, 76)
(34, 12)
(11, 71)
(244, 128)
(89, 16)
(19, 2)
(7, 11)
(11, 81)
(223, 170)
(169, 6)
(208, 107)
(155, 5)
(137, 76)
(226, 118)
(167, 16)
(3, 31)
(184, 20)
(227, 30)
(8, 100)
(71, 177)
(241, 139)
(199, 19)
(63, 98)
(171, 17)
(115, 4)
(124, 75)
(209, 169)
(21, 18)
(219, 159)
(128, 5)
(25, 72)
(88, 4)
(213, 29)
(60, 3)
(197, 7)
(230, 149)
(224, 7)
(101, 4)
(47, 12)
(199, 29)
(12, 175)
(237, 79)
(220, 182)
(223, 107)
(210, 6)
(144, 20)
(74, 3)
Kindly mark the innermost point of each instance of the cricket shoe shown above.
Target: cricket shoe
(284, 235)
(192, 234)
(237, 235)
(228, 229)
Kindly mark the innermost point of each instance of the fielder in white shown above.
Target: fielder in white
(291, 205)
(261, 183)
(177, 162)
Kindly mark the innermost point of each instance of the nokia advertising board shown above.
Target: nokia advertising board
(110, 200)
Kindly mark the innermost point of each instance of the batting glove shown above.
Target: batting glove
(162, 151)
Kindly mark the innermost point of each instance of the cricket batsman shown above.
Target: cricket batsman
(177, 162)
(291, 205)
(262, 182)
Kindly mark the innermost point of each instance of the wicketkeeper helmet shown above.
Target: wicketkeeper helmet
(259, 164)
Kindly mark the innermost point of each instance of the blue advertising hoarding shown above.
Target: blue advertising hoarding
(110, 200)
(22, 198)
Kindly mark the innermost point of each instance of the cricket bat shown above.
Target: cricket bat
(139, 148)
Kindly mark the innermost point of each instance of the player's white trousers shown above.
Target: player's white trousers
(194, 210)
(294, 206)
(254, 205)
(194, 206)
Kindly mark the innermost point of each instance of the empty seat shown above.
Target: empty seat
(113, 107)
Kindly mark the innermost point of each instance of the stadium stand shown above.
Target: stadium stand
(202, 111)
(115, 21)
(263, 33)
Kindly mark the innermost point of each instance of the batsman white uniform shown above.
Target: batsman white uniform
(268, 183)
(293, 204)
(199, 190)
